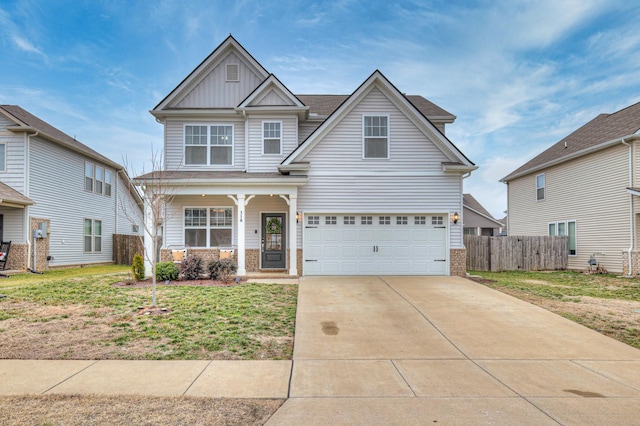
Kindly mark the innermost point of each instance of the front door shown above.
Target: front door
(274, 249)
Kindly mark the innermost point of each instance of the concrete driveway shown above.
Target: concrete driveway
(446, 350)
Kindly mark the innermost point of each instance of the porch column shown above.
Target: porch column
(242, 268)
(293, 235)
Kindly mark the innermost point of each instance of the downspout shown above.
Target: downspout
(27, 220)
(631, 221)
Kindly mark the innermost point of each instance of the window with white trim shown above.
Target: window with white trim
(107, 182)
(88, 176)
(375, 143)
(272, 137)
(208, 145)
(540, 187)
(208, 226)
(3, 157)
(233, 72)
(92, 236)
(99, 179)
(567, 228)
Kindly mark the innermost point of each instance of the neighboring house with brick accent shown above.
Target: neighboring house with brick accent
(477, 220)
(75, 196)
(365, 183)
(585, 186)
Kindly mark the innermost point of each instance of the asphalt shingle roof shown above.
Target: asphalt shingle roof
(603, 128)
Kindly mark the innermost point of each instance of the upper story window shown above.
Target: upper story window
(3, 157)
(272, 137)
(97, 179)
(540, 187)
(208, 145)
(375, 136)
(233, 72)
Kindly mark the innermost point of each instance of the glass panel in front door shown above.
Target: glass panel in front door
(273, 242)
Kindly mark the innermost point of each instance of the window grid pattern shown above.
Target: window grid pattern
(376, 136)
(420, 220)
(366, 220)
(402, 220)
(330, 220)
(437, 220)
(349, 220)
(313, 220)
(384, 220)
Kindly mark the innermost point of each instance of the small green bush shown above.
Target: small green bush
(222, 270)
(191, 267)
(137, 268)
(166, 271)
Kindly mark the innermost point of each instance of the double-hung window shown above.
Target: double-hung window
(540, 187)
(208, 145)
(92, 235)
(567, 228)
(88, 177)
(3, 157)
(107, 182)
(99, 179)
(208, 226)
(272, 137)
(375, 136)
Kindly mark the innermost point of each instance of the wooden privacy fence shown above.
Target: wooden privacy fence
(124, 247)
(513, 253)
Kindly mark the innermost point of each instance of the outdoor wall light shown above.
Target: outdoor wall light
(298, 217)
(455, 217)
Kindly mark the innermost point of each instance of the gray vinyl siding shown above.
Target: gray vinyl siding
(340, 180)
(269, 163)
(129, 213)
(13, 224)
(174, 143)
(57, 187)
(14, 175)
(306, 128)
(214, 92)
(474, 220)
(590, 190)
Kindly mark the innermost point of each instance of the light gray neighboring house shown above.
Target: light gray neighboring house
(585, 186)
(477, 220)
(77, 197)
(365, 183)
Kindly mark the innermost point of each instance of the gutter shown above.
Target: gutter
(631, 221)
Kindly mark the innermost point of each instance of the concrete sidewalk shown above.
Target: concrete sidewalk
(393, 350)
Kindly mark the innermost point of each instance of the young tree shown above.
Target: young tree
(157, 193)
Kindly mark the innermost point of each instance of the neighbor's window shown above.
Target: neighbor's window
(88, 177)
(107, 183)
(208, 227)
(3, 157)
(573, 241)
(233, 72)
(540, 186)
(272, 137)
(208, 145)
(552, 229)
(92, 235)
(376, 136)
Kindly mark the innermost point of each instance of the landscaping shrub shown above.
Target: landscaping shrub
(191, 267)
(137, 268)
(166, 271)
(222, 270)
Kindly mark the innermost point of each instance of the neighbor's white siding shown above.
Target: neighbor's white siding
(214, 92)
(590, 190)
(57, 187)
(174, 143)
(258, 162)
(411, 181)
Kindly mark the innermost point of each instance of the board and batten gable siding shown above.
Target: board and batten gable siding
(15, 143)
(174, 143)
(57, 187)
(215, 92)
(590, 190)
(259, 162)
(411, 181)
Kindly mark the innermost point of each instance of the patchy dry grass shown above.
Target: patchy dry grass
(79, 410)
(80, 314)
(605, 303)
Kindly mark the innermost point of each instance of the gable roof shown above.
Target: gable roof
(599, 133)
(200, 71)
(457, 160)
(27, 122)
(11, 197)
(272, 84)
(469, 202)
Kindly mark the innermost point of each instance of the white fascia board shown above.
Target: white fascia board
(289, 181)
(195, 112)
(272, 80)
(458, 168)
(573, 156)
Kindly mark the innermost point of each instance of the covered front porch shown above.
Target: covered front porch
(257, 223)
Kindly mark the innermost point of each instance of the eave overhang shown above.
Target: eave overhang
(457, 168)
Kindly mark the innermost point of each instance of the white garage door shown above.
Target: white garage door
(380, 244)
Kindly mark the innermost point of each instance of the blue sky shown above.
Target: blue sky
(519, 75)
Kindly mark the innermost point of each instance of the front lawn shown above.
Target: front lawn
(605, 303)
(80, 314)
